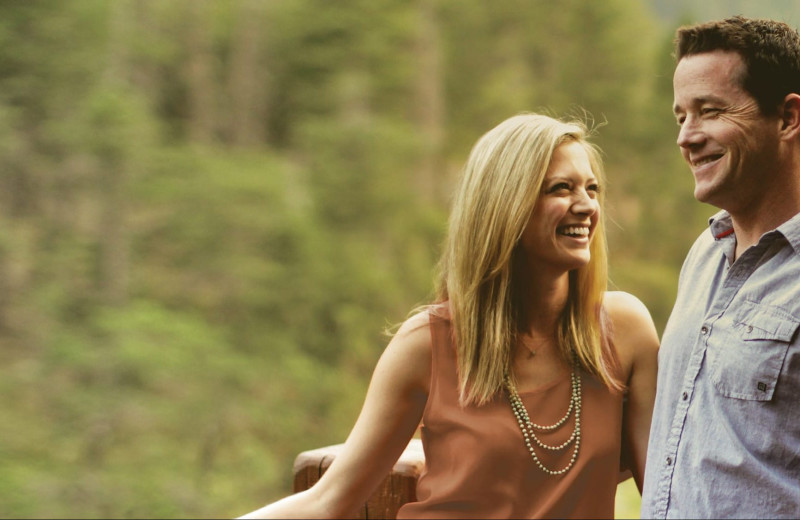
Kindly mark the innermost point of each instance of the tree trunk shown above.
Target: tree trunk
(112, 174)
(247, 85)
(429, 102)
(200, 74)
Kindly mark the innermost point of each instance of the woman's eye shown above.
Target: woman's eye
(558, 187)
(595, 188)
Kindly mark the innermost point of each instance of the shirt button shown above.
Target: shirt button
(669, 461)
(685, 396)
(704, 330)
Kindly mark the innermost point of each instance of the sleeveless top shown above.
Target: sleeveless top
(477, 465)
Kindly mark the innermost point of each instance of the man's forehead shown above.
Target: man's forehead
(712, 77)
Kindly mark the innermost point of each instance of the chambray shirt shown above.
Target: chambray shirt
(725, 437)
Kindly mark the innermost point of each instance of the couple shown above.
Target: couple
(532, 382)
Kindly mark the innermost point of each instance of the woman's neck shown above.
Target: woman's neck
(543, 301)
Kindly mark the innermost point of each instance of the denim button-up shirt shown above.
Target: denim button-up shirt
(725, 437)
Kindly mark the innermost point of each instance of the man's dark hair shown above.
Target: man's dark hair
(770, 51)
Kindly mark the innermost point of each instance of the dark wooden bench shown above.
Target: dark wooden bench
(399, 487)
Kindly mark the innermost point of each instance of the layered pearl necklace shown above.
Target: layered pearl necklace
(529, 428)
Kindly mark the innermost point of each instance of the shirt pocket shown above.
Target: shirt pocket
(748, 364)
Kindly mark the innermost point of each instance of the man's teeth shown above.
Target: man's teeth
(706, 160)
(575, 231)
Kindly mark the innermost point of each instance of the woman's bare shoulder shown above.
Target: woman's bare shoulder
(634, 332)
(410, 347)
(624, 306)
(416, 327)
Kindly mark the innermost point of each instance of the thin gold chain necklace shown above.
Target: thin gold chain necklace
(529, 428)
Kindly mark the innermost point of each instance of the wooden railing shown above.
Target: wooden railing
(399, 487)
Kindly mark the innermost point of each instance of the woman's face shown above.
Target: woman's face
(565, 217)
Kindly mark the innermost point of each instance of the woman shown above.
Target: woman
(531, 381)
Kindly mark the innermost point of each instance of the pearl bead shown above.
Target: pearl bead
(529, 428)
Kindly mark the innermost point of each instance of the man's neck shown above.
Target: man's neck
(752, 219)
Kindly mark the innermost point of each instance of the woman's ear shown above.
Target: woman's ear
(790, 117)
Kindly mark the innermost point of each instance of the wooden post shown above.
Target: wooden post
(399, 487)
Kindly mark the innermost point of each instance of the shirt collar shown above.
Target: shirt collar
(791, 230)
(721, 226)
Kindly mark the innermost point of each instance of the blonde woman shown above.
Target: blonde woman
(533, 384)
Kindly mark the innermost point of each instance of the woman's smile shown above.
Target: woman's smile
(567, 210)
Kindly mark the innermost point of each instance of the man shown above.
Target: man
(725, 437)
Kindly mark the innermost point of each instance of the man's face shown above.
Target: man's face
(728, 143)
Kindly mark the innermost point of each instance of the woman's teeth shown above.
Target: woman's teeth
(575, 231)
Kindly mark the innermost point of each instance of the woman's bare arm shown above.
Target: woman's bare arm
(391, 413)
(637, 344)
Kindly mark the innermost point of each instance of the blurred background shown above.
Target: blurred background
(210, 210)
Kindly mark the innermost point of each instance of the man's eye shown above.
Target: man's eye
(710, 111)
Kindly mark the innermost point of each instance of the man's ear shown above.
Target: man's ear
(790, 116)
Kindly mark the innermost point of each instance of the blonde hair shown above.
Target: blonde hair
(498, 190)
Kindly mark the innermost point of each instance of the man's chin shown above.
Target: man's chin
(705, 194)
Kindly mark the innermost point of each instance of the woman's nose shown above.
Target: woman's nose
(585, 203)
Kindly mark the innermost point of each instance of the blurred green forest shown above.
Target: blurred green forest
(210, 210)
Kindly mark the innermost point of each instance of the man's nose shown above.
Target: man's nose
(690, 134)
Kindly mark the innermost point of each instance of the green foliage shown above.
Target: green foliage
(183, 310)
(628, 501)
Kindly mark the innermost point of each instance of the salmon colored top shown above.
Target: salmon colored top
(477, 465)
